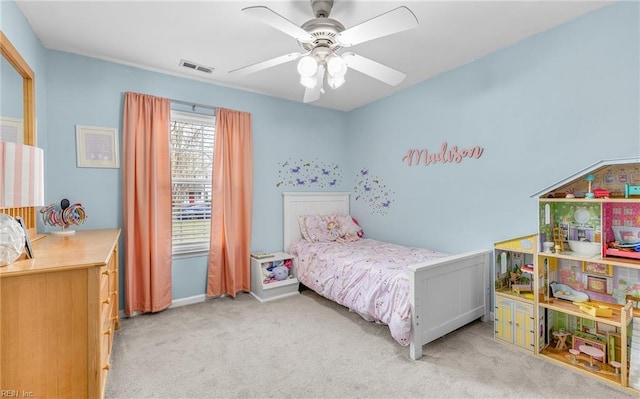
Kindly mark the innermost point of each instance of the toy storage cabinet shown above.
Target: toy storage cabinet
(59, 312)
(514, 319)
(274, 290)
(514, 322)
(604, 276)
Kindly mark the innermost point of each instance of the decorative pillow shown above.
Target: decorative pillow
(321, 228)
(303, 227)
(349, 227)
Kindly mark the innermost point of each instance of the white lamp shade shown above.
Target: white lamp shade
(336, 66)
(309, 81)
(21, 175)
(307, 66)
(335, 81)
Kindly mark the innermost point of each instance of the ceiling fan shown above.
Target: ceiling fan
(322, 40)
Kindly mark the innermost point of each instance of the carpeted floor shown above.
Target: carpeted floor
(308, 347)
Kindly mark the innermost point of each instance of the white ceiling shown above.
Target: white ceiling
(156, 35)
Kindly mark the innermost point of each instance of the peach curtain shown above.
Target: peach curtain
(229, 254)
(147, 203)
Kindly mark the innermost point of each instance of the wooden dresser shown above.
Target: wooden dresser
(58, 314)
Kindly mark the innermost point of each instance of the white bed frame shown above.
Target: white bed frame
(446, 294)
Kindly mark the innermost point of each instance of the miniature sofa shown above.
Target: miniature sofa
(563, 291)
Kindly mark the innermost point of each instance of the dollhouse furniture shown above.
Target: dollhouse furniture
(462, 279)
(602, 330)
(635, 301)
(590, 178)
(558, 239)
(574, 355)
(60, 313)
(562, 339)
(580, 339)
(631, 190)
(601, 193)
(592, 351)
(616, 366)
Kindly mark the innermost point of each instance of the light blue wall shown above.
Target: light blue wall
(87, 91)
(541, 109)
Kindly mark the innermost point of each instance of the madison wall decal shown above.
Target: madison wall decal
(447, 154)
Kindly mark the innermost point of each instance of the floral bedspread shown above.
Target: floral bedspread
(367, 276)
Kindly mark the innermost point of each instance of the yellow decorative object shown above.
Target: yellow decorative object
(595, 309)
(525, 244)
(558, 239)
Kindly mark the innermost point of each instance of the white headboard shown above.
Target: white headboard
(305, 203)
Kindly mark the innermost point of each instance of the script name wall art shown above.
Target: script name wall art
(447, 154)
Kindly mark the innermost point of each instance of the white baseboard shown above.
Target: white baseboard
(188, 300)
(174, 304)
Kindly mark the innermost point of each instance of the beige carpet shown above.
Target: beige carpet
(308, 347)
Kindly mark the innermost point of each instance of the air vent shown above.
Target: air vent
(195, 67)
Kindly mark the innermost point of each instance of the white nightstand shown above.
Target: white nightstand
(267, 291)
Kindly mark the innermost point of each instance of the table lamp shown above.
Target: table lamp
(21, 186)
(21, 176)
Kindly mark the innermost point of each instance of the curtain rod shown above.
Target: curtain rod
(192, 104)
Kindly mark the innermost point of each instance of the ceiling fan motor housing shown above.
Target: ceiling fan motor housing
(321, 8)
(324, 32)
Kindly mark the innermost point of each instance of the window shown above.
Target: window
(192, 142)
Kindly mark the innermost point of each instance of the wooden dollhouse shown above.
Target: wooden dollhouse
(588, 244)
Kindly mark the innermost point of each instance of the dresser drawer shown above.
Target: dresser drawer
(105, 277)
(105, 352)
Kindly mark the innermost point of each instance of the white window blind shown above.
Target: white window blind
(192, 143)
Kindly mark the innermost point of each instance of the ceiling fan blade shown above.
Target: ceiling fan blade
(265, 64)
(394, 21)
(374, 69)
(311, 95)
(270, 17)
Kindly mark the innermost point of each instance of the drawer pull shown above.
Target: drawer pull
(106, 272)
(106, 367)
(114, 293)
(108, 332)
(106, 301)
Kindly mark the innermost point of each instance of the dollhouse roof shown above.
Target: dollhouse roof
(599, 168)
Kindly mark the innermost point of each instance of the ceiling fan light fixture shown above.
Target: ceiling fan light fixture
(335, 81)
(323, 38)
(336, 66)
(309, 81)
(307, 66)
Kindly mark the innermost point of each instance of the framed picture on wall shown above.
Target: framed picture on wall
(597, 269)
(97, 147)
(11, 130)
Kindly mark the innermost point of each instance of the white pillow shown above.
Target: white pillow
(303, 227)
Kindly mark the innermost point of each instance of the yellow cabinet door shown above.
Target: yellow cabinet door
(524, 331)
(504, 319)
